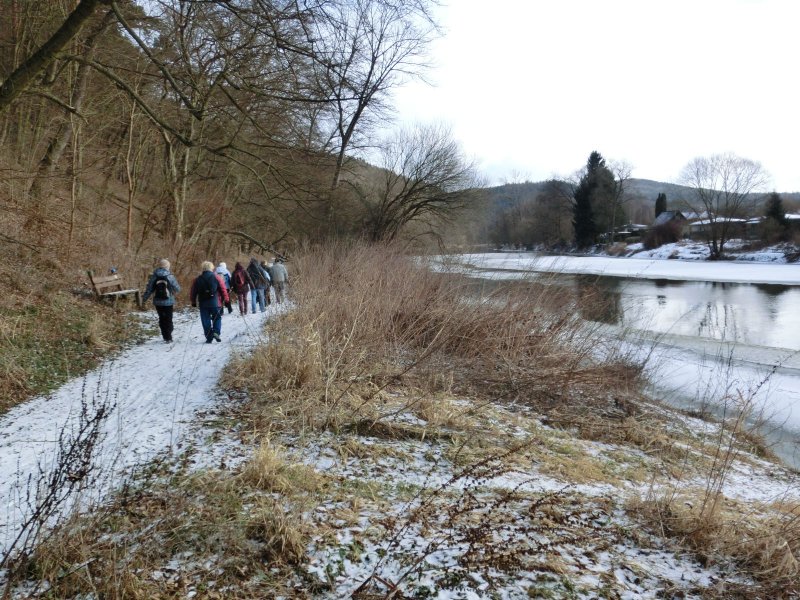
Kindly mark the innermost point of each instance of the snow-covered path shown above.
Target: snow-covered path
(155, 390)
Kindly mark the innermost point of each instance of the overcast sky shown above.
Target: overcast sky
(531, 87)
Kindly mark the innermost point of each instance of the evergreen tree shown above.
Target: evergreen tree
(661, 203)
(605, 209)
(583, 214)
(775, 227)
(774, 209)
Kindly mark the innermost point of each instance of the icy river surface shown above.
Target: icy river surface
(725, 332)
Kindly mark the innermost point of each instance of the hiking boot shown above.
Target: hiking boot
(216, 337)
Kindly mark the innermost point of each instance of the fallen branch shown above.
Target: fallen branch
(20, 242)
(263, 246)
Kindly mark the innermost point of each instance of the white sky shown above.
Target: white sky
(531, 87)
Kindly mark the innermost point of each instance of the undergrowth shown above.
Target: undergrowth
(400, 420)
(46, 339)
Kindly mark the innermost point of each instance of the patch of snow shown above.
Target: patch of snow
(154, 389)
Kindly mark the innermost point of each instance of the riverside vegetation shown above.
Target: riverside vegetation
(400, 436)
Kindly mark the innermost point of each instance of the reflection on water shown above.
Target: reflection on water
(772, 289)
(755, 314)
(599, 302)
(749, 315)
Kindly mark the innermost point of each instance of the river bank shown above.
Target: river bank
(405, 442)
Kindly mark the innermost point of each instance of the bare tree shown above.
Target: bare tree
(622, 173)
(553, 213)
(67, 129)
(425, 176)
(725, 187)
(257, 106)
(365, 48)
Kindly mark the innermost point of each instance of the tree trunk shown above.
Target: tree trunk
(23, 76)
(40, 187)
(75, 188)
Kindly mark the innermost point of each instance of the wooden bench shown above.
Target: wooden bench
(111, 287)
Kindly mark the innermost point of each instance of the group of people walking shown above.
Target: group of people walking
(211, 292)
(255, 281)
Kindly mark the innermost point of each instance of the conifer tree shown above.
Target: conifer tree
(775, 210)
(661, 203)
(582, 217)
(593, 183)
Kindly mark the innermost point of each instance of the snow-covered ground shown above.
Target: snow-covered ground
(156, 392)
(153, 390)
(638, 267)
(691, 250)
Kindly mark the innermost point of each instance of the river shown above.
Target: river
(708, 343)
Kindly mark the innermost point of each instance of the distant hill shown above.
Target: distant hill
(649, 189)
(502, 197)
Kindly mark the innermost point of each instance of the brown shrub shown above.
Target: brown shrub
(369, 317)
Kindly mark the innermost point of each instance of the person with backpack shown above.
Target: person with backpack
(222, 271)
(241, 283)
(260, 281)
(163, 286)
(210, 293)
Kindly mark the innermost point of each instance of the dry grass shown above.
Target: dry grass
(269, 470)
(763, 540)
(381, 357)
(766, 546)
(370, 318)
(216, 530)
(45, 340)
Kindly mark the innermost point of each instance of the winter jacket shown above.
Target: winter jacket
(223, 272)
(258, 275)
(172, 285)
(279, 273)
(219, 299)
(248, 282)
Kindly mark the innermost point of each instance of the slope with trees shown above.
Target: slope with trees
(172, 122)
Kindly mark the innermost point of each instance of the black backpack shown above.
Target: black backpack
(256, 276)
(206, 287)
(161, 287)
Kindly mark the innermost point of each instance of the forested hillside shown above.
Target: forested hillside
(195, 130)
(137, 129)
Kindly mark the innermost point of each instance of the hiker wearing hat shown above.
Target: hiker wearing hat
(163, 286)
(210, 293)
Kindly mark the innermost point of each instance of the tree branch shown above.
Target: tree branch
(21, 78)
(262, 245)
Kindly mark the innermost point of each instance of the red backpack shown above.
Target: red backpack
(239, 280)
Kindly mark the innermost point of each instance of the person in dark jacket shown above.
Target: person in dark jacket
(211, 303)
(163, 286)
(242, 284)
(260, 281)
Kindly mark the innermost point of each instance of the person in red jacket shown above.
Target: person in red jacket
(210, 293)
(241, 284)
